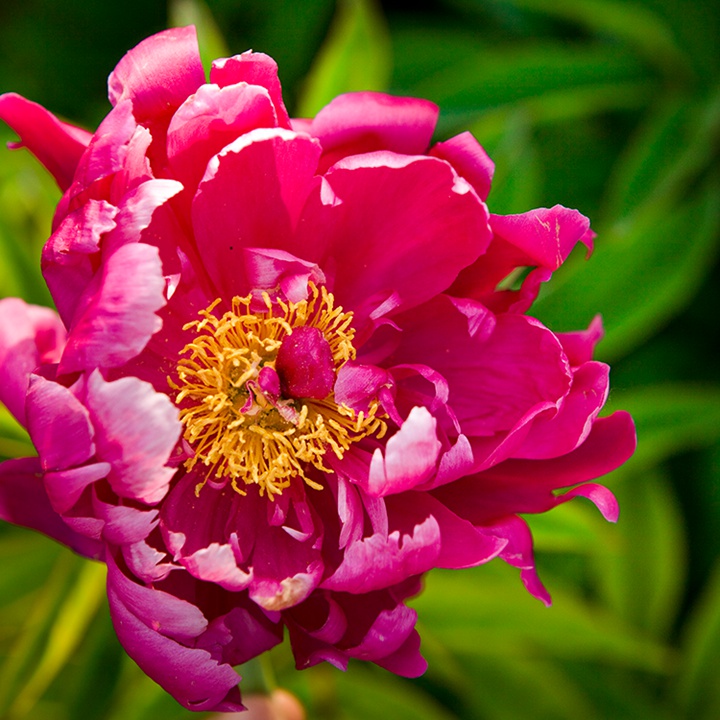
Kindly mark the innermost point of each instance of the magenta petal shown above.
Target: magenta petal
(267, 268)
(65, 487)
(158, 74)
(57, 145)
(546, 235)
(255, 69)
(395, 260)
(66, 258)
(579, 346)
(410, 456)
(117, 317)
(560, 433)
(59, 425)
(23, 501)
(469, 159)
(136, 430)
(518, 552)
(211, 119)
(216, 563)
(30, 336)
(152, 626)
(380, 560)
(237, 207)
(406, 661)
(305, 364)
(362, 122)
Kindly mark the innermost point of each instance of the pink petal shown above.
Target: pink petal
(546, 236)
(30, 336)
(380, 560)
(57, 145)
(469, 159)
(251, 197)
(556, 434)
(67, 256)
(394, 259)
(158, 74)
(410, 456)
(59, 425)
(209, 120)
(117, 316)
(152, 626)
(136, 430)
(23, 501)
(579, 346)
(65, 487)
(254, 69)
(363, 122)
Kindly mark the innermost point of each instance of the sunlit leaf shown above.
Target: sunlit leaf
(355, 56)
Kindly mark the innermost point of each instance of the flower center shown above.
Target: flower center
(255, 391)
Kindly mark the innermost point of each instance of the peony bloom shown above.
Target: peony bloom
(284, 381)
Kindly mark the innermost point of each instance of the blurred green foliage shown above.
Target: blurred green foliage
(609, 106)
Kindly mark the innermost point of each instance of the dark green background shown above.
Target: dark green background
(612, 107)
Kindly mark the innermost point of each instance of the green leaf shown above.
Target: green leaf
(492, 77)
(14, 440)
(697, 691)
(632, 22)
(642, 574)
(356, 55)
(509, 688)
(662, 160)
(641, 276)
(670, 418)
(210, 38)
(69, 626)
(485, 611)
(362, 692)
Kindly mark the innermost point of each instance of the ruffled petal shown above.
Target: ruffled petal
(136, 430)
(209, 120)
(118, 313)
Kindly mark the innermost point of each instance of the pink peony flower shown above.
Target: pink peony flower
(283, 382)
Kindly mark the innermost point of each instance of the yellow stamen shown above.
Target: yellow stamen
(235, 429)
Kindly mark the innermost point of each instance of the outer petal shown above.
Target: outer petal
(151, 625)
(30, 336)
(57, 145)
(136, 430)
(23, 501)
(526, 486)
(363, 122)
(158, 74)
(59, 425)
